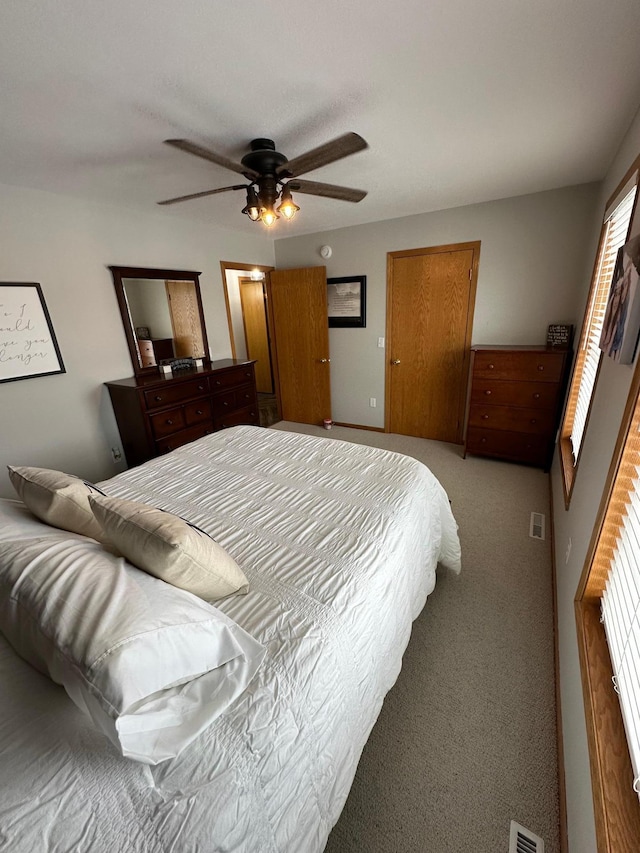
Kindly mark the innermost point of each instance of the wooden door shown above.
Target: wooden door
(430, 301)
(300, 343)
(185, 319)
(256, 335)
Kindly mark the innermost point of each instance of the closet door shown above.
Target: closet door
(430, 302)
(297, 301)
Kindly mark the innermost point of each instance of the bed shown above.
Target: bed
(340, 544)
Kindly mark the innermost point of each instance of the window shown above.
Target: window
(587, 363)
(607, 614)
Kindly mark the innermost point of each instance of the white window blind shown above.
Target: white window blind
(619, 550)
(614, 236)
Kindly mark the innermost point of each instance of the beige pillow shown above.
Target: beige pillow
(166, 546)
(56, 498)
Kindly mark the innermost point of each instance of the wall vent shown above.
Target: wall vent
(536, 525)
(522, 840)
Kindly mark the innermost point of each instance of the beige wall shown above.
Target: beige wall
(577, 524)
(531, 264)
(66, 421)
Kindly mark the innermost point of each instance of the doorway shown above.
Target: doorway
(245, 296)
(430, 303)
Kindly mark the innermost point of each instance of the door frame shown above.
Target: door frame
(474, 246)
(232, 265)
(266, 269)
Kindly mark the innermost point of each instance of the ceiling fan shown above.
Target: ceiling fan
(272, 176)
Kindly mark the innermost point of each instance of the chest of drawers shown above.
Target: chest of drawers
(153, 350)
(514, 400)
(160, 413)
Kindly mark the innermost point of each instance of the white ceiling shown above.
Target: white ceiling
(460, 101)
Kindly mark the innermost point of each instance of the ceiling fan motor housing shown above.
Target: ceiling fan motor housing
(263, 157)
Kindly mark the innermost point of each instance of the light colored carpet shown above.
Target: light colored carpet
(466, 739)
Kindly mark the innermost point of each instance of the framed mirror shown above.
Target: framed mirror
(162, 315)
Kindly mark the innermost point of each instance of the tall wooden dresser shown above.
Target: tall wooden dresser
(158, 413)
(514, 400)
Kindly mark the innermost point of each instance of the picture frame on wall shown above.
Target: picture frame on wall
(347, 301)
(621, 326)
(28, 345)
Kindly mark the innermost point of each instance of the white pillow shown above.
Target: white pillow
(151, 664)
(168, 547)
(56, 498)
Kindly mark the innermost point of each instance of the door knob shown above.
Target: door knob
(395, 361)
(325, 360)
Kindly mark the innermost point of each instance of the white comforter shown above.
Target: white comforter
(340, 544)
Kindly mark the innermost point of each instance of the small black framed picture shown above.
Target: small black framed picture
(347, 301)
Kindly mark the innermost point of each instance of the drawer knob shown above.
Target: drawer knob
(483, 441)
(225, 403)
(491, 366)
(485, 417)
(158, 398)
(169, 422)
(199, 411)
(488, 393)
(248, 373)
(541, 367)
(200, 387)
(534, 421)
(218, 382)
(536, 396)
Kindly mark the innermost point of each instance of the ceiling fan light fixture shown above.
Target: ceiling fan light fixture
(252, 208)
(288, 208)
(269, 216)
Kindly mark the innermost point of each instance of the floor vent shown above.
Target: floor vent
(523, 840)
(536, 525)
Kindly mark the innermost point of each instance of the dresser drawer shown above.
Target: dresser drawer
(166, 423)
(518, 365)
(176, 393)
(249, 415)
(183, 437)
(534, 395)
(232, 378)
(518, 446)
(511, 418)
(198, 411)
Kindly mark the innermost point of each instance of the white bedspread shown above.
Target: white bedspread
(340, 544)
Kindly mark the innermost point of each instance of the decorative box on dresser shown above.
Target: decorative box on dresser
(158, 413)
(514, 400)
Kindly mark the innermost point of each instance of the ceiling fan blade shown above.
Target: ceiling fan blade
(212, 156)
(343, 146)
(326, 190)
(202, 194)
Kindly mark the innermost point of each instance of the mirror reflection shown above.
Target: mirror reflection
(165, 319)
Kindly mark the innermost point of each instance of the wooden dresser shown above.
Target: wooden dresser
(156, 414)
(514, 400)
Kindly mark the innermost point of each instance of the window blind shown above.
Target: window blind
(618, 558)
(588, 358)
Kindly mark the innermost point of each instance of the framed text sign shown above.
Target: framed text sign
(559, 336)
(346, 301)
(28, 345)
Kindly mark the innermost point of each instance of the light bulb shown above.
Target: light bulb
(288, 208)
(269, 216)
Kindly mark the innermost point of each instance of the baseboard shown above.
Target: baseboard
(359, 426)
(562, 787)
